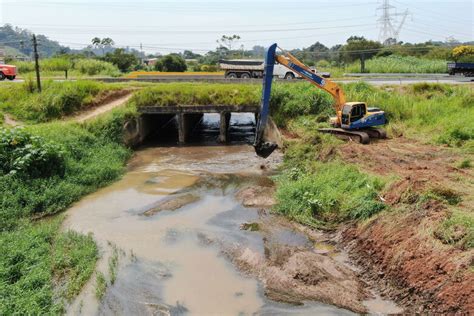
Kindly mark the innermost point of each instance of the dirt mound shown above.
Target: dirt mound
(400, 248)
(256, 196)
(293, 272)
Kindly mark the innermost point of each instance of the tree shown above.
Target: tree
(106, 42)
(463, 53)
(170, 63)
(96, 42)
(187, 54)
(359, 46)
(121, 59)
(228, 41)
(102, 44)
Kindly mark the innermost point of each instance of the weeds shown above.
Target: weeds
(457, 229)
(327, 193)
(100, 286)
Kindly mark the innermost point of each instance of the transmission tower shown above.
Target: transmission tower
(388, 30)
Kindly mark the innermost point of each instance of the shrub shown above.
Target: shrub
(93, 67)
(29, 156)
(171, 63)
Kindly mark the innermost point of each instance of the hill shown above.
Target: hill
(21, 40)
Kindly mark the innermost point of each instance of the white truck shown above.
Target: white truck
(250, 68)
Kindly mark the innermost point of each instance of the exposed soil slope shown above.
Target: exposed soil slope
(400, 247)
(104, 103)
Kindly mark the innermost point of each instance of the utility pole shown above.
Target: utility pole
(37, 68)
(388, 31)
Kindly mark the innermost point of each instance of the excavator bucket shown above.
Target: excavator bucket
(265, 147)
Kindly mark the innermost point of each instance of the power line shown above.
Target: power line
(388, 30)
(98, 27)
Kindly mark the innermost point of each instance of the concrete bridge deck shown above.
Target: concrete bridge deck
(187, 117)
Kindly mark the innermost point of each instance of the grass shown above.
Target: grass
(41, 267)
(172, 94)
(322, 194)
(76, 68)
(457, 229)
(318, 189)
(57, 99)
(400, 64)
(100, 286)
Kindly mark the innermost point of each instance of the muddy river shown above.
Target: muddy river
(187, 231)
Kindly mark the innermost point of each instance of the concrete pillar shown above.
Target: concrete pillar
(186, 123)
(224, 127)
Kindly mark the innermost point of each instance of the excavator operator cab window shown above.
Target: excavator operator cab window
(357, 112)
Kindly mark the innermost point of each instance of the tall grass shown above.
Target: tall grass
(197, 94)
(400, 64)
(327, 193)
(41, 267)
(85, 67)
(57, 99)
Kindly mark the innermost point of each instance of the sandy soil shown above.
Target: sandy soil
(399, 248)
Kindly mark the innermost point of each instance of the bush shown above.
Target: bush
(93, 67)
(171, 63)
(29, 156)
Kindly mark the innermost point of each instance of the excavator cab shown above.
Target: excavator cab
(356, 115)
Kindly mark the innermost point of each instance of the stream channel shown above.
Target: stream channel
(188, 231)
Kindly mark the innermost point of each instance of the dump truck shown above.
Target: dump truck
(249, 68)
(465, 69)
(7, 72)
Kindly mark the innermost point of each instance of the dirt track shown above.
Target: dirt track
(104, 103)
(399, 248)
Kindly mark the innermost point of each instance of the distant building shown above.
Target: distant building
(150, 61)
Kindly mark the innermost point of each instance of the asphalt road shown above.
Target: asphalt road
(374, 81)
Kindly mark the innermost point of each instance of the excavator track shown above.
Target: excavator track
(377, 133)
(360, 136)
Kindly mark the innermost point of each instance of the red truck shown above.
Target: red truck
(7, 72)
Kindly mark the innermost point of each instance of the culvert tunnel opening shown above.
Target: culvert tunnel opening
(200, 129)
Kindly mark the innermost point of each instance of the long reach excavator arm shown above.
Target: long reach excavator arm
(352, 119)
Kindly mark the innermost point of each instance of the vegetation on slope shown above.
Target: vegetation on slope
(44, 169)
(319, 189)
(173, 94)
(57, 99)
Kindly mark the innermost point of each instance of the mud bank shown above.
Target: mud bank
(399, 250)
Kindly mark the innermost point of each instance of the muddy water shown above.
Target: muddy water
(174, 219)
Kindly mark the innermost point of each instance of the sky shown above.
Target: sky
(171, 26)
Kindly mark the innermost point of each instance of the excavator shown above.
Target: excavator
(354, 120)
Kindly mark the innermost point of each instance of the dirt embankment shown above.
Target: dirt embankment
(399, 248)
(103, 103)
